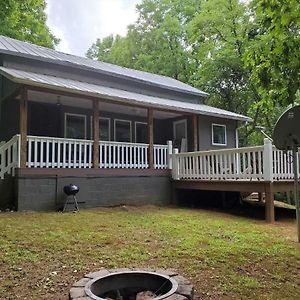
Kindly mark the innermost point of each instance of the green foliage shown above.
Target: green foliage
(274, 57)
(156, 42)
(219, 37)
(245, 56)
(26, 20)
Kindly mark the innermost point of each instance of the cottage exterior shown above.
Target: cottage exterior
(109, 129)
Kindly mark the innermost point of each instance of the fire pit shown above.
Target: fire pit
(126, 284)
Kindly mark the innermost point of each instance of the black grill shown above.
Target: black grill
(71, 189)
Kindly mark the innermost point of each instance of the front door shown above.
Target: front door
(180, 135)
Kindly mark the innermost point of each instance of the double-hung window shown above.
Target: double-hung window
(219, 136)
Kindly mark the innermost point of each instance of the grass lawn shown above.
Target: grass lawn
(224, 256)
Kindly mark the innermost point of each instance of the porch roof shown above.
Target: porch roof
(116, 95)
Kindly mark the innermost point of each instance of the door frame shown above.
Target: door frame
(183, 121)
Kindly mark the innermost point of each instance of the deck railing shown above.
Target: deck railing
(123, 155)
(9, 156)
(249, 163)
(48, 152)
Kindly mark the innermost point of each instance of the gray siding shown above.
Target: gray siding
(7, 87)
(205, 134)
(9, 118)
(46, 194)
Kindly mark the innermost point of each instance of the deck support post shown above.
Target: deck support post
(269, 205)
(150, 138)
(96, 134)
(23, 127)
(195, 132)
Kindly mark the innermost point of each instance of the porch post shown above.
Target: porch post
(96, 134)
(150, 138)
(23, 127)
(195, 132)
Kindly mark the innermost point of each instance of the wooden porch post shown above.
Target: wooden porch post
(150, 138)
(23, 127)
(269, 205)
(195, 132)
(96, 134)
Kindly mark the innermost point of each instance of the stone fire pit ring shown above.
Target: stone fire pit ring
(99, 285)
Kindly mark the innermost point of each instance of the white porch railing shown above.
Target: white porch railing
(250, 163)
(162, 156)
(132, 155)
(9, 156)
(123, 155)
(48, 152)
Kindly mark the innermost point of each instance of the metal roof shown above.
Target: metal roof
(25, 49)
(117, 95)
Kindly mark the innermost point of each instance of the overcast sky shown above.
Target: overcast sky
(78, 23)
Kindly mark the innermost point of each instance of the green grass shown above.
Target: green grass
(225, 257)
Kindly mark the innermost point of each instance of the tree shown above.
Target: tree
(218, 35)
(157, 41)
(275, 57)
(26, 20)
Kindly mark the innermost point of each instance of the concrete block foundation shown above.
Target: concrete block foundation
(45, 193)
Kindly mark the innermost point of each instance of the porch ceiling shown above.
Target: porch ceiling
(115, 95)
(43, 97)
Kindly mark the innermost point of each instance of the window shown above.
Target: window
(219, 135)
(141, 132)
(122, 131)
(75, 126)
(104, 129)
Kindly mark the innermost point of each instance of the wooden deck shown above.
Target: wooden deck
(263, 169)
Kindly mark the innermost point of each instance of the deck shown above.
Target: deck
(262, 169)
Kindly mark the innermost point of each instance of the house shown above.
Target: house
(67, 119)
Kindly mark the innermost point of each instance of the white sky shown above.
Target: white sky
(78, 23)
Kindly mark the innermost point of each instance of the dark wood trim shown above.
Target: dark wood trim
(37, 172)
(96, 134)
(23, 127)
(150, 138)
(195, 132)
(87, 97)
(214, 185)
(235, 185)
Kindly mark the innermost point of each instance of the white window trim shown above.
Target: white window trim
(127, 121)
(74, 115)
(212, 134)
(109, 128)
(135, 123)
